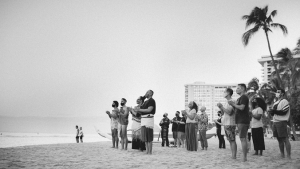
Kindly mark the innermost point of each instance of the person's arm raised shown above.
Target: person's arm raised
(192, 114)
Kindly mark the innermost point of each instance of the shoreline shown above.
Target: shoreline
(100, 155)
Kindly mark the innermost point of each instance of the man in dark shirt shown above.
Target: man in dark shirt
(164, 123)
(147, 112)
(175, 122)
(181, 132)
(242, 116)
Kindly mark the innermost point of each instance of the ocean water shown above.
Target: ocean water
(24, 139)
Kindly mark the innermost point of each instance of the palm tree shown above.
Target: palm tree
(258, 17)
(297, 49)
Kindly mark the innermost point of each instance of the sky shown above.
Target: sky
(73, 58)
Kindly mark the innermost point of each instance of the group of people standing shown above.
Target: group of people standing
(79, 134)
(178, 130)
(142, 123)
(186, 128)
(234, 116)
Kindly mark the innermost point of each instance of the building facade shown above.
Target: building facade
(208, 95)
(268, 68)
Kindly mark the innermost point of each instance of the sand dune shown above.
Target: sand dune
(100, 155)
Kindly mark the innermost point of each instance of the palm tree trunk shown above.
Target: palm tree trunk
(277, 73)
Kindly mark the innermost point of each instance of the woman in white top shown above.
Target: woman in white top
(191, 127)
(258, 106)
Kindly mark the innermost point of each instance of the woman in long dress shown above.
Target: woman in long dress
(259, 106)
(136, 127)
(191, 127)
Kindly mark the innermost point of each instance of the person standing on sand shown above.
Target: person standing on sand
(259, 106)
(229, 121)
(114, 123)
(219, 123)
(175, 122)
(137, 143)
(81, 134)
(77, 134)
(164, 123)
(181, 131)
(191, 127)
(281, 113)
(123, 115)
(147, 112)
(202, 127)
(242, 118)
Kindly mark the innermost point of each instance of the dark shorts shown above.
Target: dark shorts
(146, 134)
(181, 135)
(114, 132)
(280, 129)
(243, 130)
(230, 132)
(175, 134)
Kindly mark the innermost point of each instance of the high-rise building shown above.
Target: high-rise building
(208, 95)
(268, 68)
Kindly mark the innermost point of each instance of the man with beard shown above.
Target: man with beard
(147, 111)
(281, 113)
(242, 117)
(123, 115)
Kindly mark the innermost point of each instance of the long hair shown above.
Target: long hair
(195, 107)
(260, 103)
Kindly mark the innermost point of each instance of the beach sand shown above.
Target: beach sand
(100, 155)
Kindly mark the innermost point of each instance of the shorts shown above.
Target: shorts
(114, 133)
(181, 135)
(243, 130)
(146, 134)
(230, 132)
(123, 132)
(175, 134)
(280, 129)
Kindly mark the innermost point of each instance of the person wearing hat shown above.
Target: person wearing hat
(164, 123)
(175, 121)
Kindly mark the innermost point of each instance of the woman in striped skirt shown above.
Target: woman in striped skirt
(136, 127)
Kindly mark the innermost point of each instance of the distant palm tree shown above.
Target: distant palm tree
(297, 49)
(258, 17)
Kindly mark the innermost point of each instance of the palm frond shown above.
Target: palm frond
(247, 35)
(285, 54)
(282, 27)
(269, 20)
(273, 13)
(265, 9)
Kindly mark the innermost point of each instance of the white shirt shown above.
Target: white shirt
(229, 119)
(254, 122)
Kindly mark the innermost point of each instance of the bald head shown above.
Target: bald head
(203, 108)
